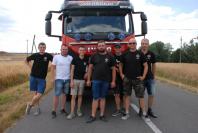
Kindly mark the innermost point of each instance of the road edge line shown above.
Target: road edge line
(148, 121)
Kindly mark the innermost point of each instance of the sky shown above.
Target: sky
(20, 20)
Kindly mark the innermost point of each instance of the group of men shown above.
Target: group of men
(134, 69)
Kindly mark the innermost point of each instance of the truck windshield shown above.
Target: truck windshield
(98, 22)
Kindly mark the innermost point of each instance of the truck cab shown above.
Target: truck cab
(85, 22)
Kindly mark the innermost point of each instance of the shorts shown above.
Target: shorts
(119, 88)
(79, 86)
(61, 87)
(137, 85)
(99, 89)
(37, 84)
(149, 84)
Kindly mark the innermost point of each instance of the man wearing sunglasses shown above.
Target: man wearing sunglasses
(133, 70)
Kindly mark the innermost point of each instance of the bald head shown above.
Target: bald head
(132, 40)
(132, 44)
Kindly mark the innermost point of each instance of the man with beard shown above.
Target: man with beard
(101, 69)
(149, 81)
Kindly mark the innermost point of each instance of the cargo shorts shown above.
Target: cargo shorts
(137, 85)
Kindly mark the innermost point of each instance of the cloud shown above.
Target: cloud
(168, 25)
(6, 20)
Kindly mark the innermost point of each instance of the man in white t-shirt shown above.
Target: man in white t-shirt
(61, 78)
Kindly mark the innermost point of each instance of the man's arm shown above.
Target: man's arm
(50, 62)
(144, 72)
(121, 70)
(113, 77)
(53, 68)
(86, 73)
(29, 59)
(90, 70)
(72, 76)
(154, 69)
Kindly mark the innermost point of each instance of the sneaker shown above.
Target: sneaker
(150, 113)
(37, 112)
(79, 113)
(117, 113)
(28, 108)
(103, 118)
(125, 116)
(140, 112)
(70, 116)
(62, 111)
(91, 119)
(53, 114)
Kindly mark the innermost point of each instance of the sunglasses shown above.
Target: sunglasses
(134, 43)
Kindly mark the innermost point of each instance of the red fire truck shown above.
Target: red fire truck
(85, 22)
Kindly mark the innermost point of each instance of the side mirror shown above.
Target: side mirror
(143, 17)
(48, 17)
(48, 25)
(48, 28)
(144, 27)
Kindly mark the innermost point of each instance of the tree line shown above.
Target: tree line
(188, 53)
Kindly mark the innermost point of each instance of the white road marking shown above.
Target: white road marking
(148, 121)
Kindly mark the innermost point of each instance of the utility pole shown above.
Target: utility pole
(27, 48)
(33, 45)
(180, 54)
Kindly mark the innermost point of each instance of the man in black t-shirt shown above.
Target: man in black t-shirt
(118, 90)
(132, 64)
(77, 81)
(149, 81)
(102, 71)
(38, 74)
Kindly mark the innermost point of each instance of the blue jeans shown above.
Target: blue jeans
(61, 86)
(150, 86)
(99, 89)
(37, 84)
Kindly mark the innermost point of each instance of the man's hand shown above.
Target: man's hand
(117, 70)
(122, 76)
(141, 78)
(72, 84)
(88, 83)
(113, 84)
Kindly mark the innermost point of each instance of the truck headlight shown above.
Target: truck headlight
(111, 36)
(121, 36)
(88, 37)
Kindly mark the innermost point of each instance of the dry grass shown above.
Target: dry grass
(12, 73)
(12, 56)
(13, 101)
(184, 73)
(14, 89)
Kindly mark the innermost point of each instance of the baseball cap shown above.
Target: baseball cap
(117, 45)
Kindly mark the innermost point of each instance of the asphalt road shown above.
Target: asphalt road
(177, 110)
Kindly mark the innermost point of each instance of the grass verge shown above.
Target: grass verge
(184, 75)
(13, 102)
